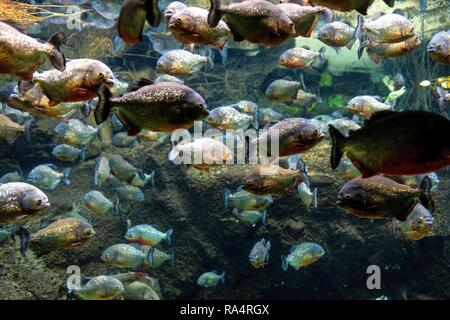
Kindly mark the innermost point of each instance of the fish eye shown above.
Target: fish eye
(39, 202)
(101, 75)
(439, 46)
(178, 21)
(347, 196)
(420, 219)
(316, 132)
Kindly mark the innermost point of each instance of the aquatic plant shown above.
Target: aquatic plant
(326, 79)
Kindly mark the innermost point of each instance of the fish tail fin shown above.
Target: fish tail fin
(315, 197)
(172, 257)
(116, 208)
(264, 217)
(425, 193)
(169, 236)
(338, 140)
(226, 194)
(153, 12)
(442, 93)
(83, 153)
(56, 57)
(173, 154)
(390, 3)
(103, 108)
(322, 57)
(66, 174)
(222, 277)
(284, 263)
(86, 109)
(27, 127)
(152, 178)
(214, 14)
(327, 14)
(359, 34)
(150, 260)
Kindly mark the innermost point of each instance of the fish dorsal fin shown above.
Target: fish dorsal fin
(142, 82)
(378, 116)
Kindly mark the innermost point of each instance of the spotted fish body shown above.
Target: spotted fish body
(22, 55)
(337, 34)
(100, 288)
(348, 5)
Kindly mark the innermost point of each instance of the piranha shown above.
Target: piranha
(132, 19)
(305, 17)
(267, 116)
(224, 118)
(251, 216)
(259, 255)
(345, 126)
(360, 6)
(145, 234)
(66, 153)
(201, 153)
(379, 197)
(21, 202)
(306, 195)
(76, 133)
(97, 202)
(258, 22)
(129, 193)
(62, 234)
(211, 279)
(417, 226)
(271, 180)
(300, 58)
(48, 176)
(293, 135)
(379, 51)
(346, 170)
(396, 143)
(123, 140)
(10, 130)
(305, 99)
(246, 201)
(14, 176)
(180, 63)
(248, 107)
(283, 90)
(164, 106)
(139, 286)
(366, 106)
(337, 34)
(389, 28)
(22, 55)
(156, 258)
(124, 256)
(101, 172)
(439, 47)
(302, 255)
(98, 288)
(126, 172)
(189, 25)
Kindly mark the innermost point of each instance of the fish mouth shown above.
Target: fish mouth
(109, 82)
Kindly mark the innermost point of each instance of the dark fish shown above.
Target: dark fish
(381, 198)
(132, 19)
(439, 47)
(348, 5)
(257, 21)
(396, 143)
(164, 106)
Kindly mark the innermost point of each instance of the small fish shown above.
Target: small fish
(259, 255)
(144, 234)
(267, 116)
(379, 51)
(302, 255)
(132, 19)
(337, 34)
(308, 197)
(209, 151)
(129, 193)
(251, 216)
(433, 178)
(20, 202)
(345, 126)
(11, 177)
(396, 143)
(399, 81)
(271, 180)
(48, 176)
(246, 201)
(68, 153)
(224, 118)
(425, 83)
(366, 106)
(211, 279)
(300, 58)
(138, 290)
(180, 63)
(305, 99)
(97, 202)
(23, 55)
(123, 140)
(126, 172)
(282, 90)
(62, 234)
(10, 130)
(102, 172)
(190, 26)
(164, 106)
(156, 258)
(417, 226)
(76, 133)
(389, 28)
(444, 98)
(382, 198)
(124, 256)
(258, 22)
(248, 107)
(347, 170)
(99, 288)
